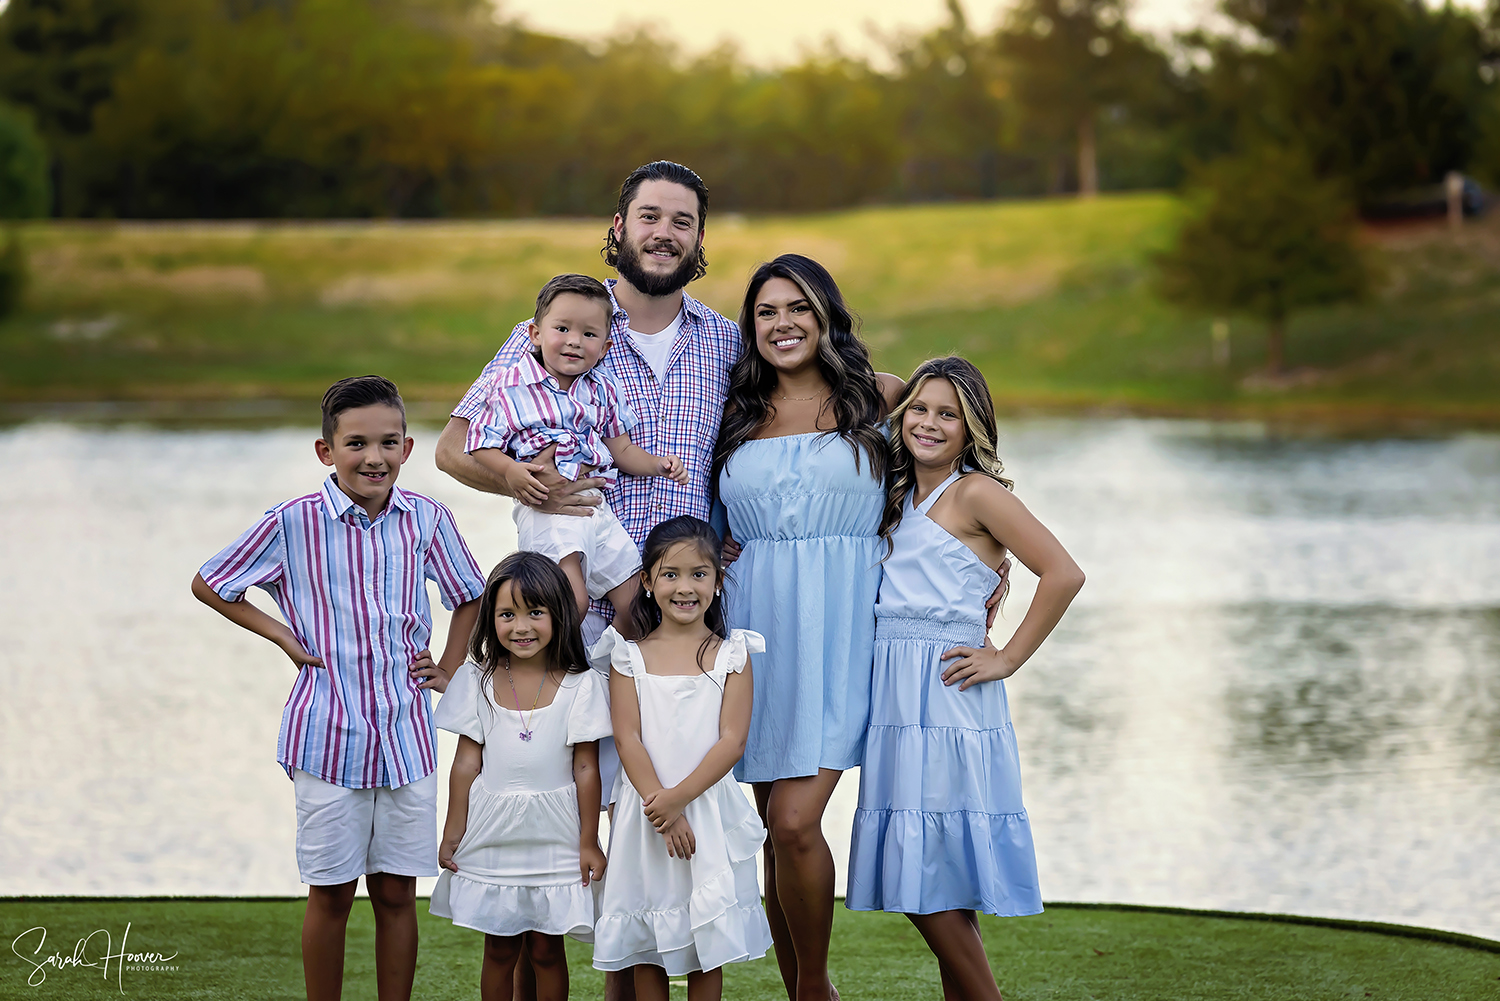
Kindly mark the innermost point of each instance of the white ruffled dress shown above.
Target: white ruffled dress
(518, 866)
(691, 914)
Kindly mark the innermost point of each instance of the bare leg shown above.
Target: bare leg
(622, 596)
(572, 568)
(619, 985)
(706, 985)
(651, 984)
(786, 958)
(803, 880)
(525, 976)
(549, 961)
(394, 899)
(323, 928)
(498, 973)
(953, 937)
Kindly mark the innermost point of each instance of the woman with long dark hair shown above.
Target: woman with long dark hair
(800, 466)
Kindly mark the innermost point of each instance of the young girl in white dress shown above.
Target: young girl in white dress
(520, 847)
(682, 897)
(940, 832)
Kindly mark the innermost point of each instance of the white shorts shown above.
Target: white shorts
(610, 556)
(343, 834)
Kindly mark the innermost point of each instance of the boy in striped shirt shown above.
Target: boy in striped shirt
(348, 567)
(556, 395)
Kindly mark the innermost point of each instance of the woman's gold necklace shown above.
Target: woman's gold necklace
(802, 399)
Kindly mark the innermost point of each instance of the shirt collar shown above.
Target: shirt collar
(337, 503)
(529, 372)
(690, 306)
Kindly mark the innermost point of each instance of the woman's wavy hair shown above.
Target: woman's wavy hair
(977, 409)
(542, 585)
(659, 170)
(857, 402)
(645, 613)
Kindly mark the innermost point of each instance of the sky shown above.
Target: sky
(774, 32)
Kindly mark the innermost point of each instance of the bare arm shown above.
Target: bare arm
(467, 763)
(665, 806)
(436, 675)
(1003, 515)
(491, 470)
(890, 388)
(247, 616)
(625, 716)
(586, 778)
(632, 459)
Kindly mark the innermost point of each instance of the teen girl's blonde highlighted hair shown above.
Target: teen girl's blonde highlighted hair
(978, 411)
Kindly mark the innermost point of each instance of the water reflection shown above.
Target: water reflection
(1278, 691)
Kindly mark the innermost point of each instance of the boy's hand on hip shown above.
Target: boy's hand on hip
(299, 656)
(977, 665)
(427, 673)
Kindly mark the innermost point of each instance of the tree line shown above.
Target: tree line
(414, 108)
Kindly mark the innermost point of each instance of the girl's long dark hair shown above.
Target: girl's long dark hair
(857, 402)
(978, 411)
(542, 585)
(645, 613)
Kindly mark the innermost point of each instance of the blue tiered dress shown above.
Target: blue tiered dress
(808, 522)
(940, 825)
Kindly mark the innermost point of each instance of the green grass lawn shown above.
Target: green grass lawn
(229, 949)
(1052, 298)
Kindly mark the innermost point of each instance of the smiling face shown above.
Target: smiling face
(525, 631)
(932, 428)
(369, 445)
(572, 336)
(659, 236)
(683, 583)
(787, 330)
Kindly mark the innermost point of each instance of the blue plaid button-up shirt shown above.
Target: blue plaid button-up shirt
(678, 416)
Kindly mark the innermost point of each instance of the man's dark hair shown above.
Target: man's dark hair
(589, 288)
(359, 391)
(659, 170)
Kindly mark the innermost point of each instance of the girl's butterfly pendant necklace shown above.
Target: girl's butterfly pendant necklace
(526, 731)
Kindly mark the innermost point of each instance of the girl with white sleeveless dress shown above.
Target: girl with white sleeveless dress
(682, 898)
(520, 847)
(940, 832)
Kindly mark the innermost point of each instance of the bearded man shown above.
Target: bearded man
(670, 355)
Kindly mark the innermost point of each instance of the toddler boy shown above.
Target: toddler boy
(348, 567)
(557, 396)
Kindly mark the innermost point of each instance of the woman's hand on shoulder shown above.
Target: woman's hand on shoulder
(679, 838)
(972, 666)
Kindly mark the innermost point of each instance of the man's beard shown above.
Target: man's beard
(652, 283)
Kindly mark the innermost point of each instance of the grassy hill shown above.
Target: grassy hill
(1051, 298)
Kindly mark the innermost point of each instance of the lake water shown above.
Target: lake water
(1280, 690)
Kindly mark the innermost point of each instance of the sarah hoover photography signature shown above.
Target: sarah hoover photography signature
(85, 956)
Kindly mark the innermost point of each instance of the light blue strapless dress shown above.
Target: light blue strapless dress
(806, 580)
(940, 825)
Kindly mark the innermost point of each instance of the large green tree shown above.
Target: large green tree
(1265, 237)
(24, 194)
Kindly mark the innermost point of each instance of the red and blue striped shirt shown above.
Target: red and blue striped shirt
(528, 410)
(354, 592)
(679, 415)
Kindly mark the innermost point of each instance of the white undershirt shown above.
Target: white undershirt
(657, 348)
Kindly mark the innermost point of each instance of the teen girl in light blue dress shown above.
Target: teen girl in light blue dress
(941, 832)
